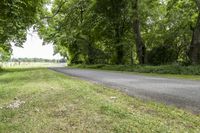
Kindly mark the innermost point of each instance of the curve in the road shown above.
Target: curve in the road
(182, 93)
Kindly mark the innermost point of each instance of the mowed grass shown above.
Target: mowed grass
(57, 103)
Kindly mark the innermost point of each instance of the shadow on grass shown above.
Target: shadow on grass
(10, 80)
(12, 70)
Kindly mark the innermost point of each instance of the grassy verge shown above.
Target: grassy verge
(169, 71)
(53, 102)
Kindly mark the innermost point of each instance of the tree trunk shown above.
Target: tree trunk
(140, 46)
(120, 54)
(90, 54)
(119, 47)
(194, 51)
(132, 56)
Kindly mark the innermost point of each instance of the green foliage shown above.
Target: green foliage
(86, 32)
(5, 53)
(16, 16)
(100, 31)
(162, 55)
(162, 69)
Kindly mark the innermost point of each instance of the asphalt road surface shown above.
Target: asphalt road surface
(181, 93)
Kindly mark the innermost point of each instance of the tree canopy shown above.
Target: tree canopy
(108, 31)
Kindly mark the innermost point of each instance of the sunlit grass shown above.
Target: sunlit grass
(29, 64)
(57, 103)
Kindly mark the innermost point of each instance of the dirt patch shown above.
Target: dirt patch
(15, 104)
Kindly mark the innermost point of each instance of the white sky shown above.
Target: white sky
(33, 48)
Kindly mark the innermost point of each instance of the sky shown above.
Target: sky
(33, 48)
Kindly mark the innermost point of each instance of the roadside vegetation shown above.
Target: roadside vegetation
(40, 100)
(163, 69)
(122, 33)
(169, 71)
(125, 32)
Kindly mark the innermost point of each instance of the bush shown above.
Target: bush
(163, 69)
(162, 55)
(1, 69)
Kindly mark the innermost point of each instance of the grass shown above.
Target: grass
(169, 71)
(28, 64)
(57, 103)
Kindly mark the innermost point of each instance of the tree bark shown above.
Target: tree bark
(119, 47)
(119, 30)
(194, 51)
(120, 54)
(132, 56)
(140, 46)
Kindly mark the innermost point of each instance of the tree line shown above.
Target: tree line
(114, 31)
(37, 60)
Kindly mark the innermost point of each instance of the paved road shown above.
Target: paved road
(182, 93)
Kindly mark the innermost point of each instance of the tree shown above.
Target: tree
(113, 32)
(194, 51)
(16, 16)
(141, 49)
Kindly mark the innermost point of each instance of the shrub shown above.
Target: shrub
(161, 55)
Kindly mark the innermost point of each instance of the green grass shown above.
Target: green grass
(169, 71)
(57, 103)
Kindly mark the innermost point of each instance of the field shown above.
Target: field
(29, 64)
(40, 100)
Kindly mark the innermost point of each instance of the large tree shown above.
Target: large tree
(115, 14)
(140, 46)
(194, 51)
(115, 32)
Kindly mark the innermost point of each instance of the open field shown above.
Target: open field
(40, 100)
(29, 64)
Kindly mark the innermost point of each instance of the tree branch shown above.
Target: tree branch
(58, 10)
